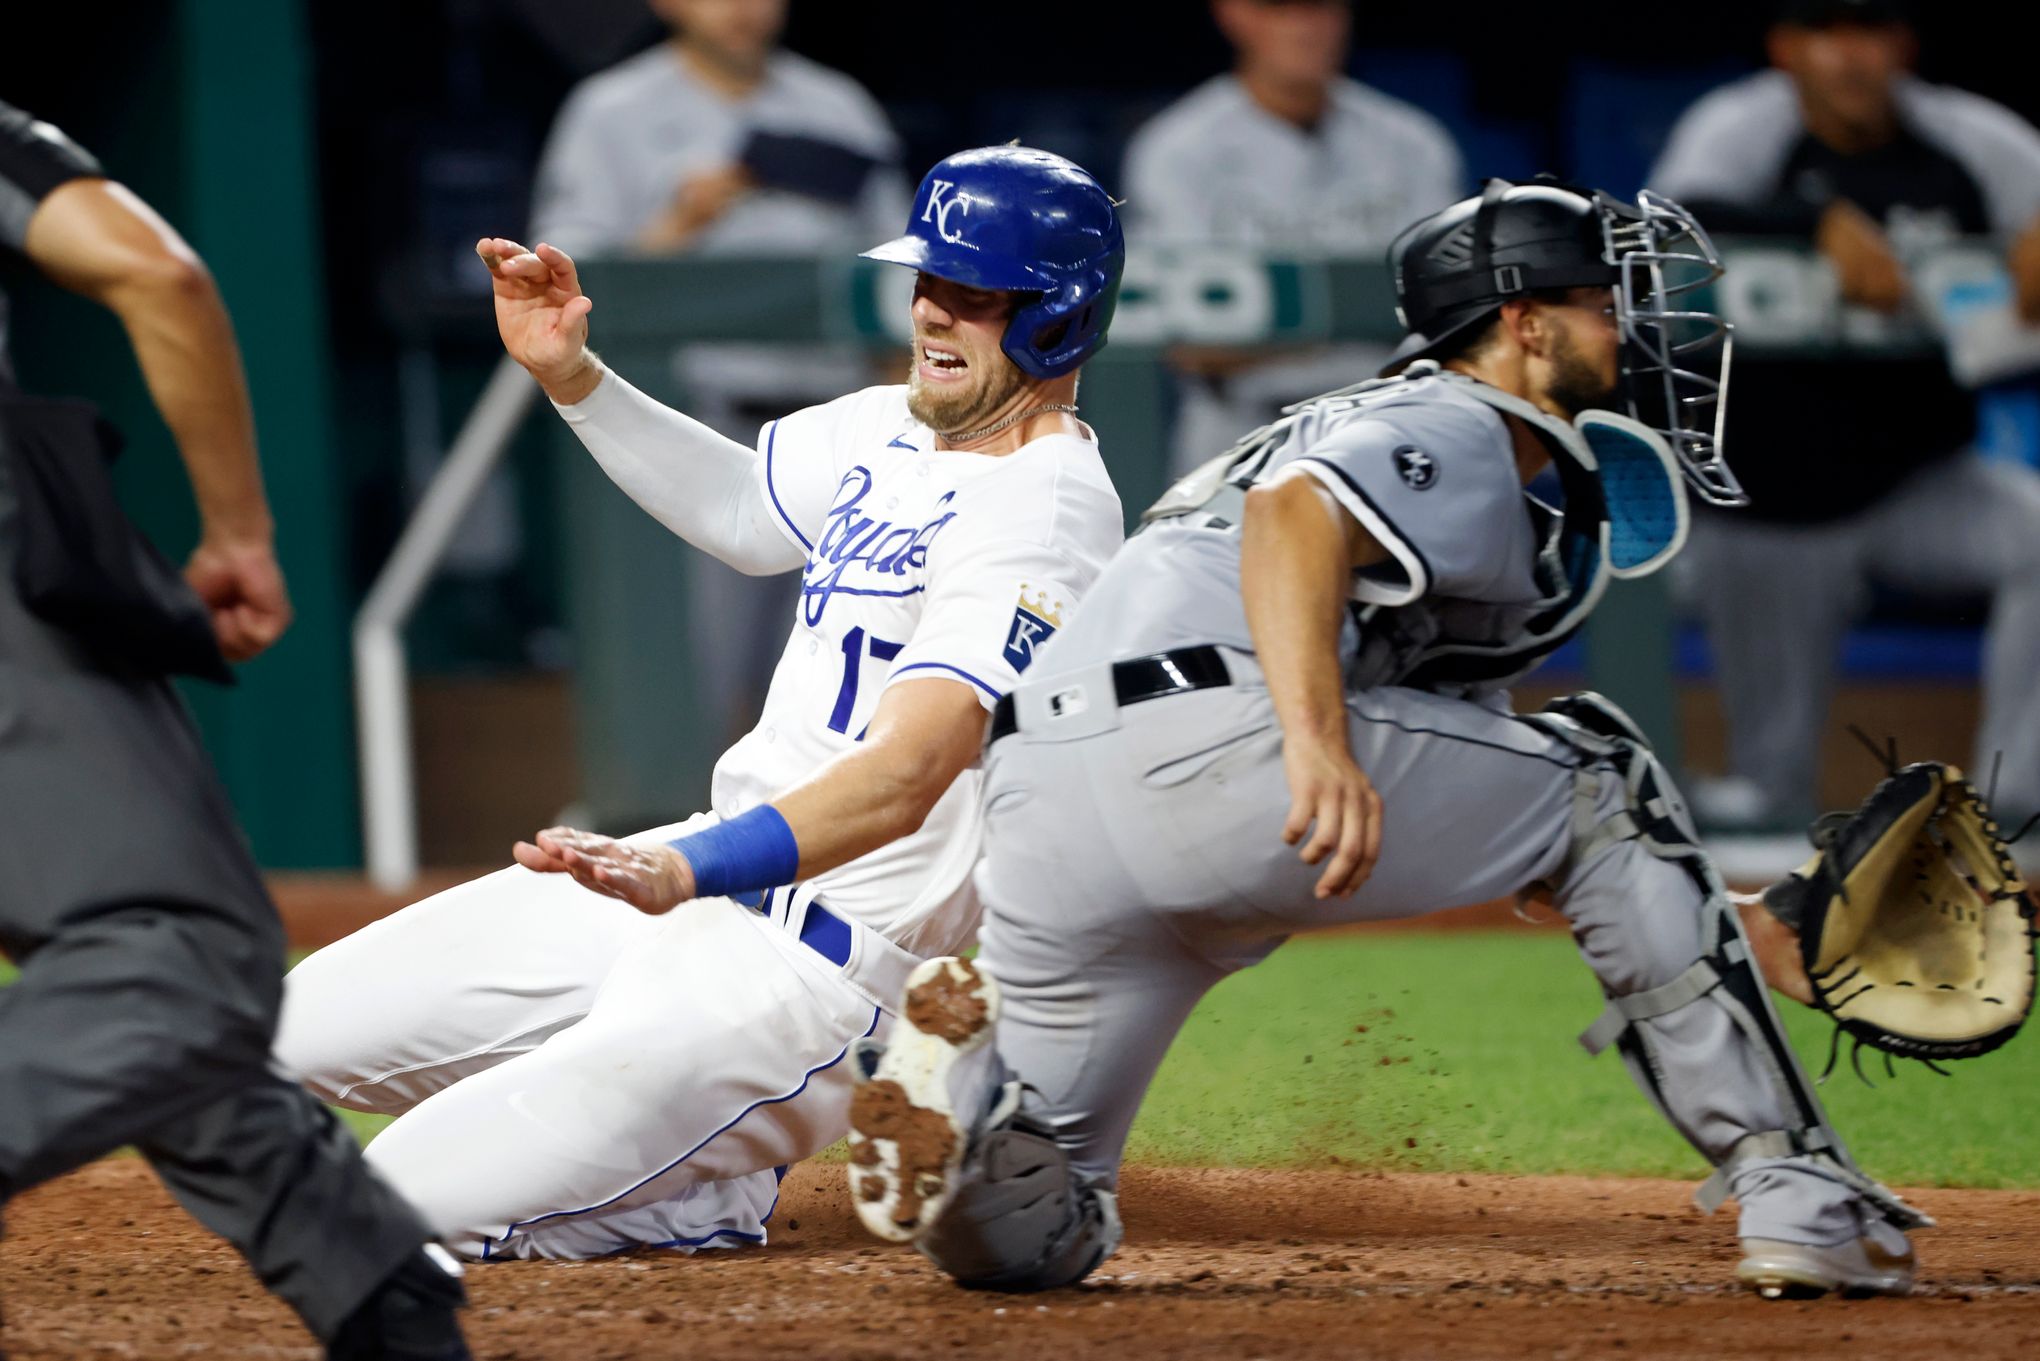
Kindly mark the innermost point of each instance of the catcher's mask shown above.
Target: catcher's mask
(1455, 269)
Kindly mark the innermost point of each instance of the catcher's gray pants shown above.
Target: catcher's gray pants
(151, 973)
(1778, 598)
(1134, 857)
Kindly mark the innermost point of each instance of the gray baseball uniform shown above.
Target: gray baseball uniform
(1134, 854)
(1845, 490)
(1216, 169)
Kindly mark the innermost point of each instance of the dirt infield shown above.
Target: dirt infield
(1218, 1264)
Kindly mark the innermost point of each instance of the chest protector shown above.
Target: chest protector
(1626, 513)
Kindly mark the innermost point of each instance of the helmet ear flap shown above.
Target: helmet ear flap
(1051, 336)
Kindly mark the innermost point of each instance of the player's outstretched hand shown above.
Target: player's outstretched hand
(541, 312)
(1332, 800)
(651, 879)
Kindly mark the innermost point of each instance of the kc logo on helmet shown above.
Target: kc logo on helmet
(941, 203)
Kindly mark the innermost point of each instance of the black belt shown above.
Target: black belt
(1175, 672)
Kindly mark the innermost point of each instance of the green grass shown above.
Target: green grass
(364, 1125)
(1467, 1063)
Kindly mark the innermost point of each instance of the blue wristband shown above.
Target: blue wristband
(746, 854)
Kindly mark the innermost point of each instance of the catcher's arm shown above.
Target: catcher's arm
(1299, 549)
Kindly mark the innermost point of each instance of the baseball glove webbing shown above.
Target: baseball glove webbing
(1914, 923)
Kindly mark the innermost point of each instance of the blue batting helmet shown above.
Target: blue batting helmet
(1022, 221)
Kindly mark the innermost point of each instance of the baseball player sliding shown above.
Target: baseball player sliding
(1283, 706)
(572, 1075)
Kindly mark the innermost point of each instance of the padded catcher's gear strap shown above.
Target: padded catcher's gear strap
(1654, 816)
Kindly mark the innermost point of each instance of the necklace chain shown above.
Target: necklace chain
(995, 427)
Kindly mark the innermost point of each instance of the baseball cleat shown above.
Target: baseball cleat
(907, 1138)
(1778, 1270)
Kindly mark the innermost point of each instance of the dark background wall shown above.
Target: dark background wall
(335, 161)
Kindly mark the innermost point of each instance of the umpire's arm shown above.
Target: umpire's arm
(96, 238)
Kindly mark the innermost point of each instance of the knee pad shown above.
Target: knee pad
(1020, 1220)
(1652, 814)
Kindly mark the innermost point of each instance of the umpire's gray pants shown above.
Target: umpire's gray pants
(1778, 598)
(1134, 857)
(151, 974)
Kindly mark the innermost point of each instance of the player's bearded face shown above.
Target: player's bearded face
(1583, 360)
(958, 378)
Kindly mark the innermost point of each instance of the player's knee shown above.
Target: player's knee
(1023, 1222)
(317, 1034)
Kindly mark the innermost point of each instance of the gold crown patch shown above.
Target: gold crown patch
(1039, 607)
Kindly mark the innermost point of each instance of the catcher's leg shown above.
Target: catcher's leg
(1691, 1017)
(1124, 872)
(1077, 991)
(1003, 1185)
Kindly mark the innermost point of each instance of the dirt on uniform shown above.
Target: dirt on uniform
(1223, 1265)
(950, 1005)
(923, 1142)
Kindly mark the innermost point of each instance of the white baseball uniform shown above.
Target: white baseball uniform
(574, 1077)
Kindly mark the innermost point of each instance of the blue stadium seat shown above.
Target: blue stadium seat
(2008, 421)
(1437, 82)
(1441, 85)
(1080, 124)
(1514, 151)
(1870, 652)
(1618, 117)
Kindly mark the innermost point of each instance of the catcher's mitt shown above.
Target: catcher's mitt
(1915, 926)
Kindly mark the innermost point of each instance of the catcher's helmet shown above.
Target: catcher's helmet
(1455, 269)
(1021, 220)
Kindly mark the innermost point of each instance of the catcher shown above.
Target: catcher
(1283, 706)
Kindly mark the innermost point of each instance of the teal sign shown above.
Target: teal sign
(1168, 297)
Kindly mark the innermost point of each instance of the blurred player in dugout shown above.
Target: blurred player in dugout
(1283, 154)
(1859, 468)
(151, 958)
(719, 141)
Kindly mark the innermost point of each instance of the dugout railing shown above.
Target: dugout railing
(633, 685)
